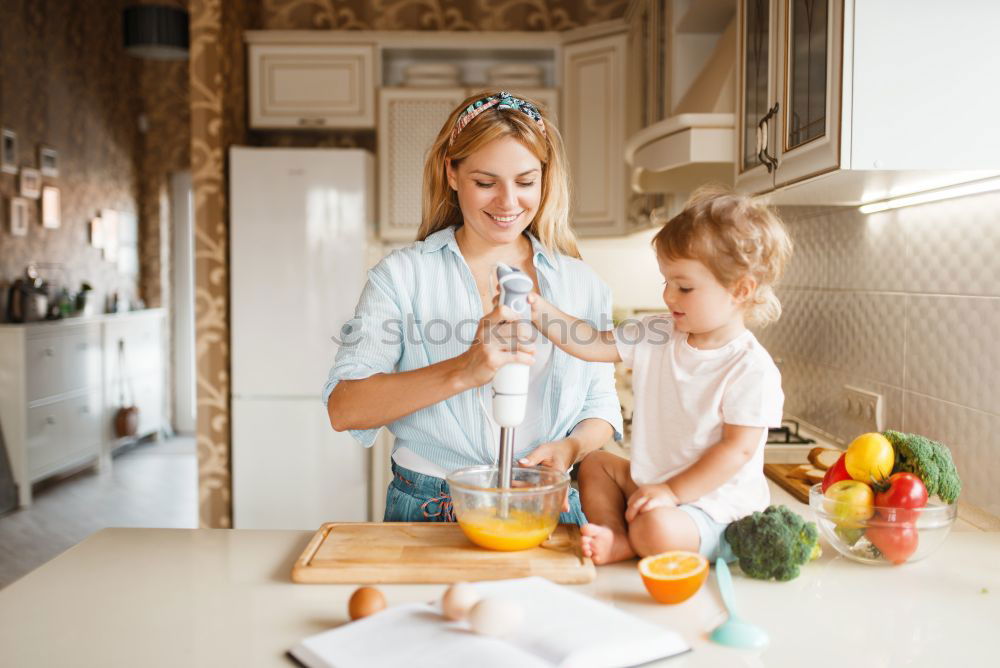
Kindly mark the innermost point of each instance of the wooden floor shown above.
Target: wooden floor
(152, 484)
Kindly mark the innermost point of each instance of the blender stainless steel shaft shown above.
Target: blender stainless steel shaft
(510, 385)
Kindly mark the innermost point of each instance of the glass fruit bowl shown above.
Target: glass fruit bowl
(881, 535)
(513, 519)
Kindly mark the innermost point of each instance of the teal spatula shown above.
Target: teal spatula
(734, 632)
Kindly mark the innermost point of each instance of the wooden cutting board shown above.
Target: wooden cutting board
(434, 553)
(794, 486)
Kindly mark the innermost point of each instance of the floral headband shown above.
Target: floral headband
(502, 100)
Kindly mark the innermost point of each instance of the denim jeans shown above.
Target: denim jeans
(416, 497)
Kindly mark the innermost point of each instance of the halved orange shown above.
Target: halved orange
(672, 577)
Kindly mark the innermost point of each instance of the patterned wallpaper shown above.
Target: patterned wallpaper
(437, 14)
(165, 147)
(66, 82)
(218, 103)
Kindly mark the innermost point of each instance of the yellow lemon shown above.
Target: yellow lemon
(869, 458)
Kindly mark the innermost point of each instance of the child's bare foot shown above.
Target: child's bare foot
(603, 545)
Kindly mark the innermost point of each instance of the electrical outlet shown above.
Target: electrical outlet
(865, 406)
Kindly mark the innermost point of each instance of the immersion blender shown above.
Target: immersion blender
(510, 384)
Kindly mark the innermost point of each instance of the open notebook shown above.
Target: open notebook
(561, 628)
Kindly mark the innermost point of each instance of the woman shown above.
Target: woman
(427, 337)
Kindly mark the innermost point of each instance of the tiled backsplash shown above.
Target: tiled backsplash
(905, 303)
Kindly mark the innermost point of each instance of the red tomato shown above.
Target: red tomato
(835, 473)
(904, 490)
(895, 537)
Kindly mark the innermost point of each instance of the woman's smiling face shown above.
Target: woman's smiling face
(499, 189)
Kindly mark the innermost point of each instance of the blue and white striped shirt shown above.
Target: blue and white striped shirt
(421, 306)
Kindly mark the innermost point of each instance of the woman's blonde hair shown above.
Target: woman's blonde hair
(734, 237)
(440, 202)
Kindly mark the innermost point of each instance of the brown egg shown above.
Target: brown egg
(365, 601)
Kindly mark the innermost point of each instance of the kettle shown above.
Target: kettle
(28, 298)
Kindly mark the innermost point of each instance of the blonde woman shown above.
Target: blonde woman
(427, 336)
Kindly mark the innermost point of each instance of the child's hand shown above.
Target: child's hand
(539, 307)
(647, 498)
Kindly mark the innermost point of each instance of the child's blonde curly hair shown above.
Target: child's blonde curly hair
(734, 237)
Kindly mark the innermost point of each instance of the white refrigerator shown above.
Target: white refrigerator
(300, 223)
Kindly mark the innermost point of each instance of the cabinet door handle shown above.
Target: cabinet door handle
(85, 409)
(766, 158)
(50, 420)
(49, 352)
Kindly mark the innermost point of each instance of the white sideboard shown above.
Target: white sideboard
(59, 390)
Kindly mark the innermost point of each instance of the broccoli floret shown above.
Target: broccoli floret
(929, 460)
(773, 544)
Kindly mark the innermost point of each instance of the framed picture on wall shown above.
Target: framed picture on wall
(48, 161)
(31, 183)
(8, 152)
(96, 233)
(51, 216)
(109, 232)
(18, 216)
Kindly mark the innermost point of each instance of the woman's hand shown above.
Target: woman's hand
(559, 455)
(648, 497)
(501, 338)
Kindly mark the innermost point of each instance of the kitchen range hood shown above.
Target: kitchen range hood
(696, 144)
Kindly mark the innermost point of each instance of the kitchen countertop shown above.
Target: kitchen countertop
(82, 319)
(217, 597)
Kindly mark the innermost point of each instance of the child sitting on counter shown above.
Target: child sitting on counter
(706, 391)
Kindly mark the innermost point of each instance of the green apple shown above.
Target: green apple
(850, 503)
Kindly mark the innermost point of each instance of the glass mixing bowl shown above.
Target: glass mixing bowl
(889, 536)
(513, 519)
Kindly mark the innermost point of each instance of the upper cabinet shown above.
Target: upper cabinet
(409, 120)
(312, 85)
(593, 130)
(611, 87)
(809, 86)
(790, 60)
(846, 102)
(756, 94)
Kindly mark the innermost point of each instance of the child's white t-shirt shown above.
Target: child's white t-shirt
(683, 396)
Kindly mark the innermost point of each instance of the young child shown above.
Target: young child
(705, 390)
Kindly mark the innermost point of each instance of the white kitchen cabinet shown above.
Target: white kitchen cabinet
(409, 120)
(807, 128)
(846, 102)
(142, 373)
(58, 394)
(755, 94)
(312, 85)
(594, 91)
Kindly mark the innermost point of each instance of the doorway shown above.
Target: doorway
(182, 289)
